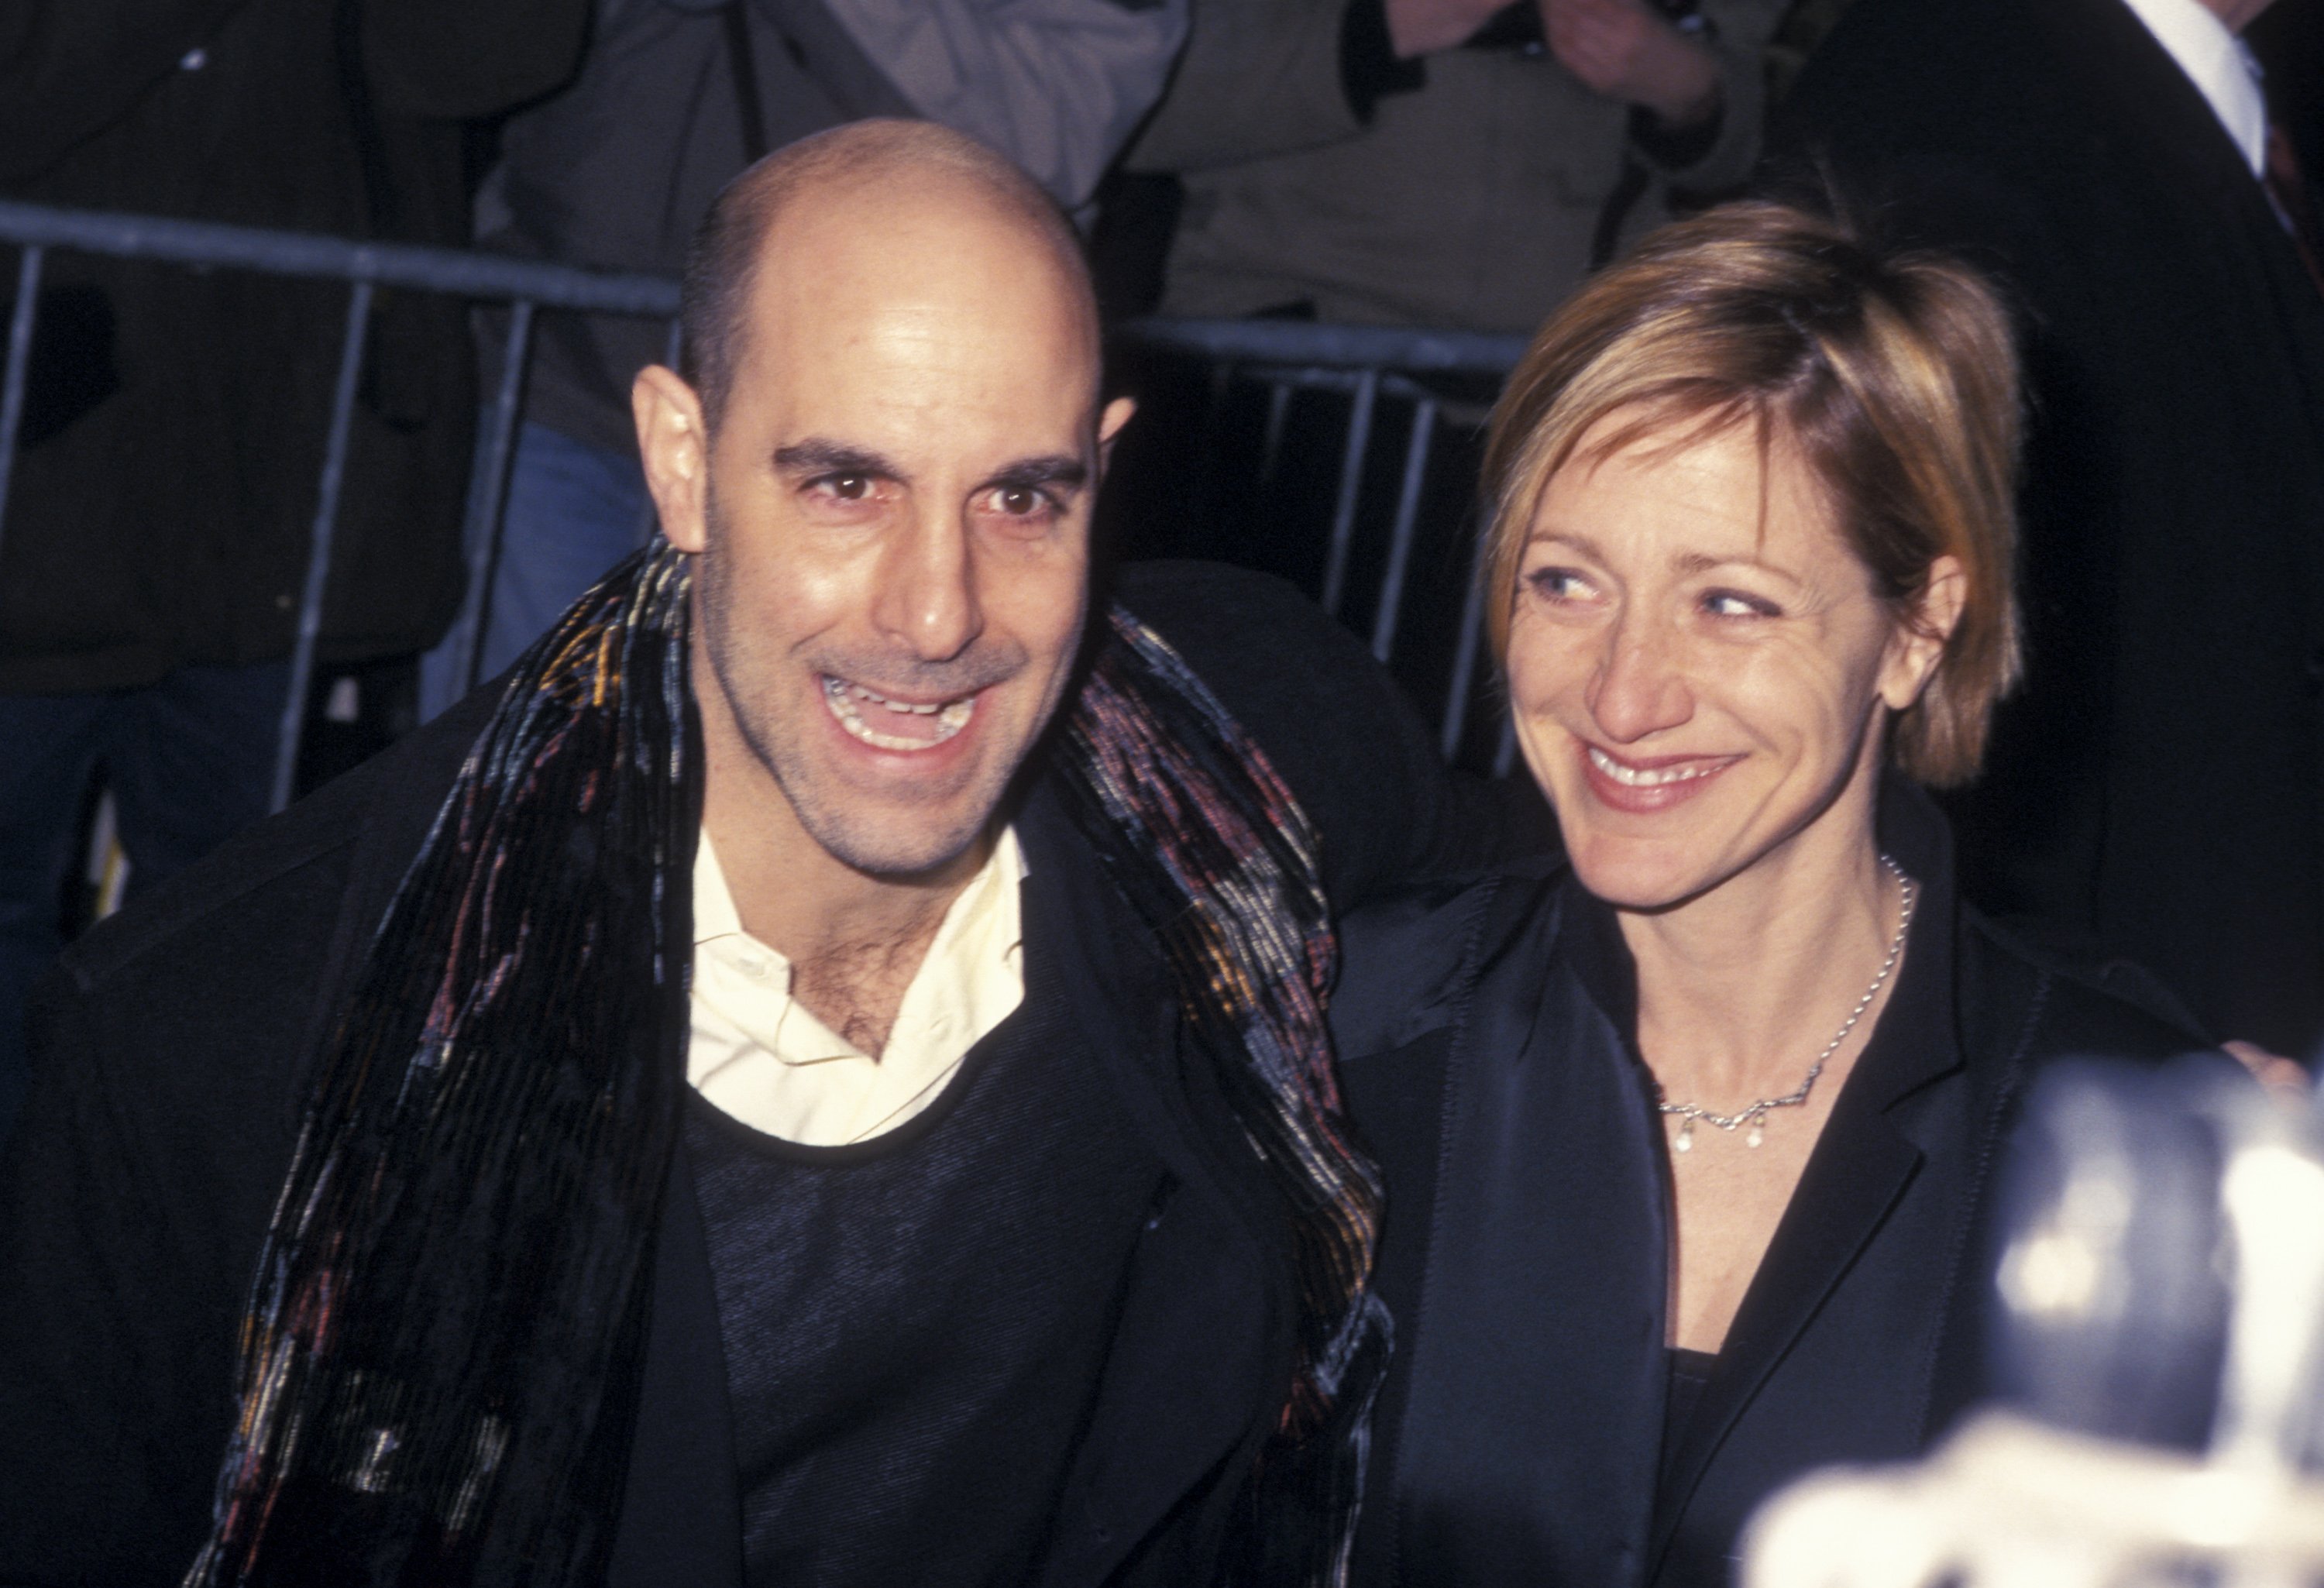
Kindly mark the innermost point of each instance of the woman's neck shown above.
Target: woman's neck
(1740, 988)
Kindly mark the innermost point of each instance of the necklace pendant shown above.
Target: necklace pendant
(1685, 1142)
(1759, 1132)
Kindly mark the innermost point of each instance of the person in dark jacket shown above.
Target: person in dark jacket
(1688, 1137)
(749, 1097)
(2116, 164)
(159, 518)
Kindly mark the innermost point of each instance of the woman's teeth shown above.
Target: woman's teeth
(1638, 777)
(936, 722)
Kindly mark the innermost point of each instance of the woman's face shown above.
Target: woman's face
(1699, 667)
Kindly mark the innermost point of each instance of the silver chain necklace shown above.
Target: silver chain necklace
(1756, 1114)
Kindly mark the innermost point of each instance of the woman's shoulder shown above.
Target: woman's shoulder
(1408, 959)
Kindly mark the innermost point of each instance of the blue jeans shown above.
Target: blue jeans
(190, 761)
(574, 511)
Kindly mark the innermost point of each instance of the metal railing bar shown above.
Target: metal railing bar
(1320, 378)
(1407, 517)
(480, 537)
(318, 555)
(1206, 447)
(291, 253)
(1464, 655)
(1279, 409)
(1309, 342)
(1351, 479)
(19, 363)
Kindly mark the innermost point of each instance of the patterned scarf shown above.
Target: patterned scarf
(438, 1373)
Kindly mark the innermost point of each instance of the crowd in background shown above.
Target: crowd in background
(1459, 163)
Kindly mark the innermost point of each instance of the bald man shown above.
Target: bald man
(975, 1211)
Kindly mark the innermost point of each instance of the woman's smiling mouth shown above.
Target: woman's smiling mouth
(1651, 785)
(888, 724)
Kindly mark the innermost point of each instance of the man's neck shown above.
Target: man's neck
(854, 939)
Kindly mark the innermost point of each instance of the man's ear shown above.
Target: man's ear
(675, 445)
(1920, 642)
(1117, 414)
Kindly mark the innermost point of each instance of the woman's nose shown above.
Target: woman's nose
(1641, 687)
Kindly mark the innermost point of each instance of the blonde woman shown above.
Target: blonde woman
(1689, 1135)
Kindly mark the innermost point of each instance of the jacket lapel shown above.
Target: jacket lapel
(1200, 1357)
(1533, 1357)
(1862, 1166)
(681, 1509)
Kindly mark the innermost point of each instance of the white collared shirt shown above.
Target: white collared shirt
(760, 1056)
(2219, 65)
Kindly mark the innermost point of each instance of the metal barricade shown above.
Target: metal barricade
(1425, 373)
(482, 278)
(1372, 368)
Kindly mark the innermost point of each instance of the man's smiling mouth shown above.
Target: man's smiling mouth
(888, 724)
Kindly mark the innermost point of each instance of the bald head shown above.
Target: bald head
(883, 455)
(879, 186)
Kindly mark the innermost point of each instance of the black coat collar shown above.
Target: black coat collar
(1201, 1354)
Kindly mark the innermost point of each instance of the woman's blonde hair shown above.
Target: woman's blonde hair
(1892, 376)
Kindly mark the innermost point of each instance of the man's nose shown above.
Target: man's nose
(1641, 685)
(927, 601)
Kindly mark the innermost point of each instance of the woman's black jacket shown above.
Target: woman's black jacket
(1487, 1034)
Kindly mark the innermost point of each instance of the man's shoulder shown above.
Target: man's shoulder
(370, 820)
(1894, 85)
(1340, 731)
(2030, 999)
(1409, 959)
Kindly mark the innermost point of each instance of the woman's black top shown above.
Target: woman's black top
(1529, 1432)
(1687, 1374)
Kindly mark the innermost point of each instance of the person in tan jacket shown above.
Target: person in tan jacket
(1445, 162)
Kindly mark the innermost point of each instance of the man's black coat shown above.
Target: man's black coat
(2160, 779)
(168, 1056)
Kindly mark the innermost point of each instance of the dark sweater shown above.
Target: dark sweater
(914, 1323)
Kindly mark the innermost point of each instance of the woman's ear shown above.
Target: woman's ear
(1920, 640)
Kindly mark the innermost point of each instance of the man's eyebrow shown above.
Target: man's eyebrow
(1059, 468)
(821, 457)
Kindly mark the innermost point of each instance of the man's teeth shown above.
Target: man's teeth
(1638, 777)
(848, 700)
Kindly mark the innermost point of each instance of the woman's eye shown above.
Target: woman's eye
(1560, 584)
(1734, 604)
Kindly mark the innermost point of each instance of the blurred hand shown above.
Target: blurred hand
(1417, 27)
(2285, 1078)
(1625, 51)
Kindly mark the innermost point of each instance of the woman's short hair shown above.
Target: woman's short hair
(1891, 375)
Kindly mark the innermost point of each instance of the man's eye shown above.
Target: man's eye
(1021, 501)
(848, 487)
